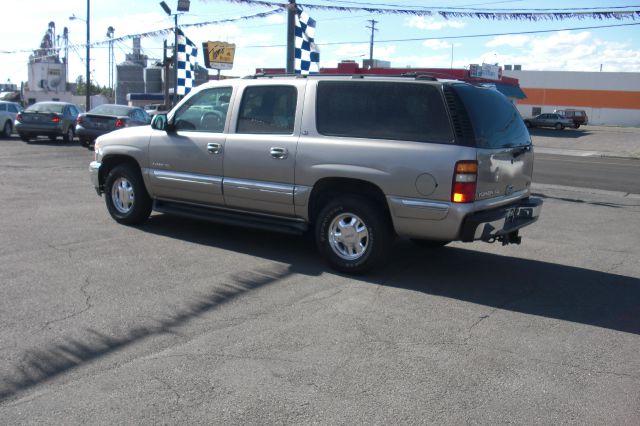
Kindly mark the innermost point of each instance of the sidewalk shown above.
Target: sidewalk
(600, 141)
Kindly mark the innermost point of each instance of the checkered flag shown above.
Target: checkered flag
(187, 53)
(307, 54)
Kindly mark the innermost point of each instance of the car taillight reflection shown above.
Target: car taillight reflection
(120, 123)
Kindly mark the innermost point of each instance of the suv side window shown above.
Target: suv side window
(380, 110)
(12, 108)
(204, 112)
(268, 109)
(3, 107)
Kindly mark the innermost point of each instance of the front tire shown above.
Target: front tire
(559, 126)
(7, 129)
(353, 234)
(126, 197)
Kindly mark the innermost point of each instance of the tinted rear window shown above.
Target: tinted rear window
(111, 110)
(496, 122)
(44, 107)
(381, 110)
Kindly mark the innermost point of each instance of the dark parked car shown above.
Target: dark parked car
(577, 116)
(107, 118)
(549, 120)
(50, 119)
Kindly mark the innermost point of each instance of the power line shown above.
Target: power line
(459, 37)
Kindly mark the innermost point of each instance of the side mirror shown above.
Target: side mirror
(161, 122)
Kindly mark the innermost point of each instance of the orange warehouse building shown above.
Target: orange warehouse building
(609, 98)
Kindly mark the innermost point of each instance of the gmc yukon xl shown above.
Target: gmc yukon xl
(355, 160)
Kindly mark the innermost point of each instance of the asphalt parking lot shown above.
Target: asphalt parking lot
(184, 322)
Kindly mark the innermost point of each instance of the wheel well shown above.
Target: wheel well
(112, 161)
(328, 188)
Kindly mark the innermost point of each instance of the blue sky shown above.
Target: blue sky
(260, 42)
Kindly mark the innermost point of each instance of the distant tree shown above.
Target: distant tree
(81, 87)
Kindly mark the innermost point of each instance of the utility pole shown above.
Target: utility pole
(373, 30)
(88, 82)
(165, 63)
(291, 35)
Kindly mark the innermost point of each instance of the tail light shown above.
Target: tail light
(55, 119)
(19, 117)
(465, 179)
(121, 123)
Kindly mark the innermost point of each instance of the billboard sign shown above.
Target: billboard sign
(486, 71)
(218, 55)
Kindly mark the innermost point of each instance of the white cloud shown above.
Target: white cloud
(516, 40)
(564, 51)
(428, 23)
(436, 44)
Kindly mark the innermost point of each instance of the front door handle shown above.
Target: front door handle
(214, 148)
(279, 153)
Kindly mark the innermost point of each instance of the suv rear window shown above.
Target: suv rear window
(496, 122)
(381, 110)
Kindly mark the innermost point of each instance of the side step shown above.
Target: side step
(265, 223)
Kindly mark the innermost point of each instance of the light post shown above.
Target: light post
(183, 6)
(88, 70)
(110, 32)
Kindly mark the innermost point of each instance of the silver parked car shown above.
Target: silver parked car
(8, 113)
(556, 121)
(354, 161)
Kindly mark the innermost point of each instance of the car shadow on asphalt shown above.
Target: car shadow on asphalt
(579, 295)
(561, 134)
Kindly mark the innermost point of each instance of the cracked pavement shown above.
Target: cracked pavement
(183, 322)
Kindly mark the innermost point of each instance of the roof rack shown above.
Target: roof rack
(417, 76)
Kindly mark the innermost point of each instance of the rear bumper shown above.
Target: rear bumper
(90, 134)
(39, 129)
(490, 225)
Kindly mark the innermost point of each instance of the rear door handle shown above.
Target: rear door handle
(279, 153)
(214, 148)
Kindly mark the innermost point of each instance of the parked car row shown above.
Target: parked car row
(55, 119)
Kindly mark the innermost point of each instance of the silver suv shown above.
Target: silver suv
(355, 160)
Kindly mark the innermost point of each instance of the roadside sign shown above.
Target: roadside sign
(218, 55)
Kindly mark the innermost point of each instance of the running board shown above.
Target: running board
(225, 217)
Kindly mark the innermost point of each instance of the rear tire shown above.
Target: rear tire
(559, 126)
(577, 126)
(7, 129)
(353, 234)
(53, 138)
(126, 197)
(68, 136)
(25, 137)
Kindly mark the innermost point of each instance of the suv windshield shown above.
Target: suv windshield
(496, 122)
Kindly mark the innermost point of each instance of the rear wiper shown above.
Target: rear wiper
(521, 151)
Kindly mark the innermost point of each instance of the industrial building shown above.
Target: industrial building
(609, 98)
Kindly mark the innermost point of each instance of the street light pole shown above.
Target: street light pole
(88, 82)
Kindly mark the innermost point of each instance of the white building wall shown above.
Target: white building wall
(604, 81)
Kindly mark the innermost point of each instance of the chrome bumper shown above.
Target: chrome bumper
(94, 173)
